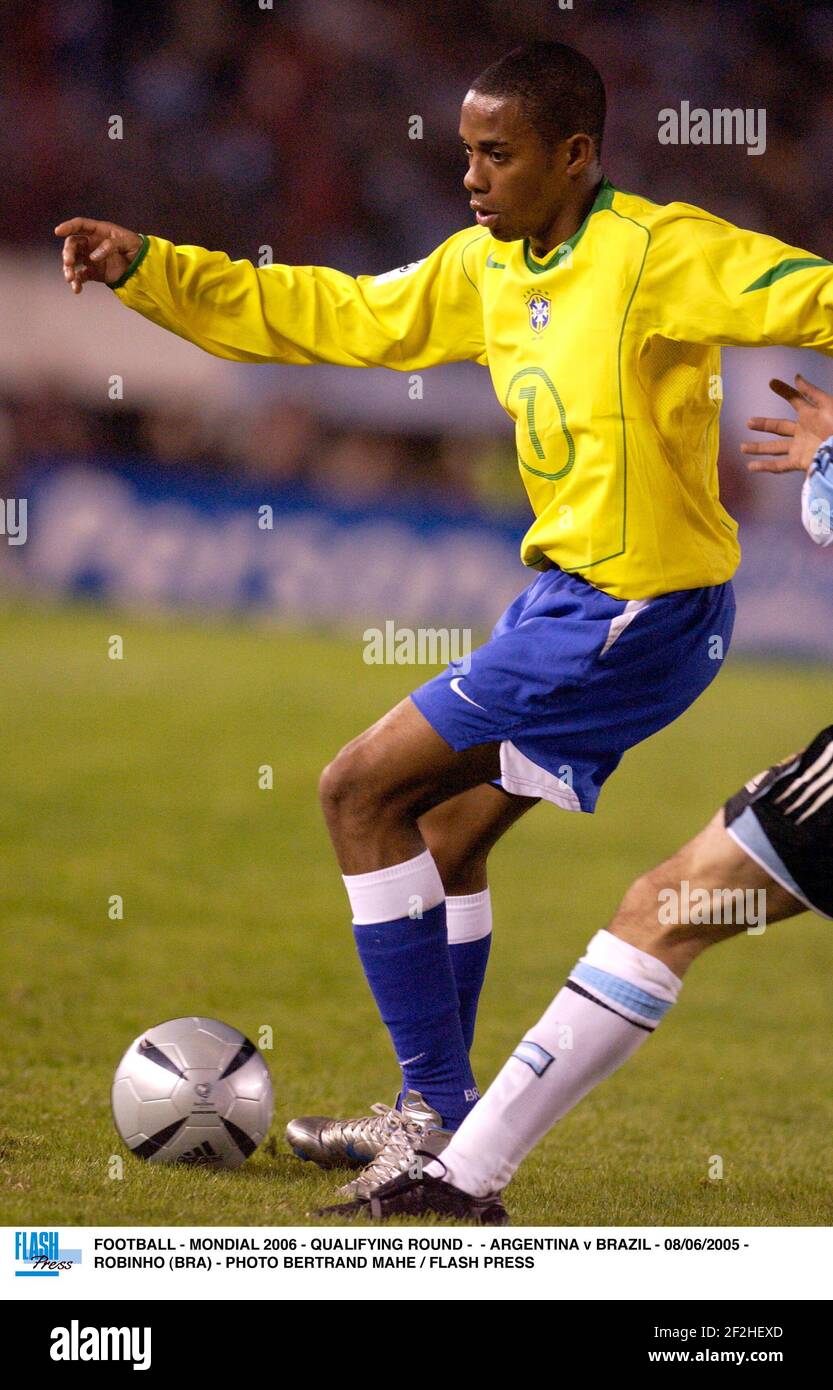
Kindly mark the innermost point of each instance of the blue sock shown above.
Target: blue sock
(408, 967)
(468, 962)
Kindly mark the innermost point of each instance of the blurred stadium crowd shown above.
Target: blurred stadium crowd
(280, 446)
(288, 126)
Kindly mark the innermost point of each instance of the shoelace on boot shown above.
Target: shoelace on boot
(372, 1128)
(394, 1158)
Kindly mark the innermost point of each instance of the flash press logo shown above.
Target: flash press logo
(77, 1343)
(40, 1255)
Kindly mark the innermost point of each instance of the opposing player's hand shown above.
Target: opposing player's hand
(798, 439)
(95, 251)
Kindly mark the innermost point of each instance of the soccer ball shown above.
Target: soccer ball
(193, 1091)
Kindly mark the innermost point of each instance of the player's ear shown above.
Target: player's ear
(581, 153)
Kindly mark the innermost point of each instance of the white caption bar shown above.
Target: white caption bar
(349, 1263)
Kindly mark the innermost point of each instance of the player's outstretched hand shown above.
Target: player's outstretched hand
(95, 251)
(799, 438)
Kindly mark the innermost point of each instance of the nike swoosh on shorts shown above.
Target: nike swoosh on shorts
(455, 684)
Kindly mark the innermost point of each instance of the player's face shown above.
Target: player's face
(517, 184)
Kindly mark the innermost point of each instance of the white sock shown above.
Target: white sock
(468, 917)
(402, 890)
(615, 997)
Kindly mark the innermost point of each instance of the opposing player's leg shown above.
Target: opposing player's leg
(460, 834)
(763, 858)
(615, 997)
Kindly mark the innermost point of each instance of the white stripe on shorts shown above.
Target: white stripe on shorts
(623, 620)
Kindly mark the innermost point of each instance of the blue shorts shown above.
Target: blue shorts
(571, 678)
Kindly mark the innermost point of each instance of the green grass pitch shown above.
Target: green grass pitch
(139, 777)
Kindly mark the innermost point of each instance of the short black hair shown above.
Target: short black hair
(559, 89)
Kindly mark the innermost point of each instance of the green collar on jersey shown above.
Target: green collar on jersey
(603, 199)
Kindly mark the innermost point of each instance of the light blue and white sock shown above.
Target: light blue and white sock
(400, 930)
(613, 1000)
(469, 922)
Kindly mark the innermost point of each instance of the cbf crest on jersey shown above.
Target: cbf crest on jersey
(539, 306)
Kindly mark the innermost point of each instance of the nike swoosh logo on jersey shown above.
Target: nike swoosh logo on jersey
(455, 686)
(494, 265)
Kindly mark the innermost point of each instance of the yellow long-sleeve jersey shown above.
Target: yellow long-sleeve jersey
(605, 354)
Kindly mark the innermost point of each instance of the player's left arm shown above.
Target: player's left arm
(804, 444)
(711, 283)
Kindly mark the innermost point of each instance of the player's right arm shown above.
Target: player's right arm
(423, 314)
(805, 445)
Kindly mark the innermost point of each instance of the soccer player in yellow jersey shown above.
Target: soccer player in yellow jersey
(600, 316)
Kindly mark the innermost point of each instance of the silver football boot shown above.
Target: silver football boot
(341, 1143)
(415, 1126)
